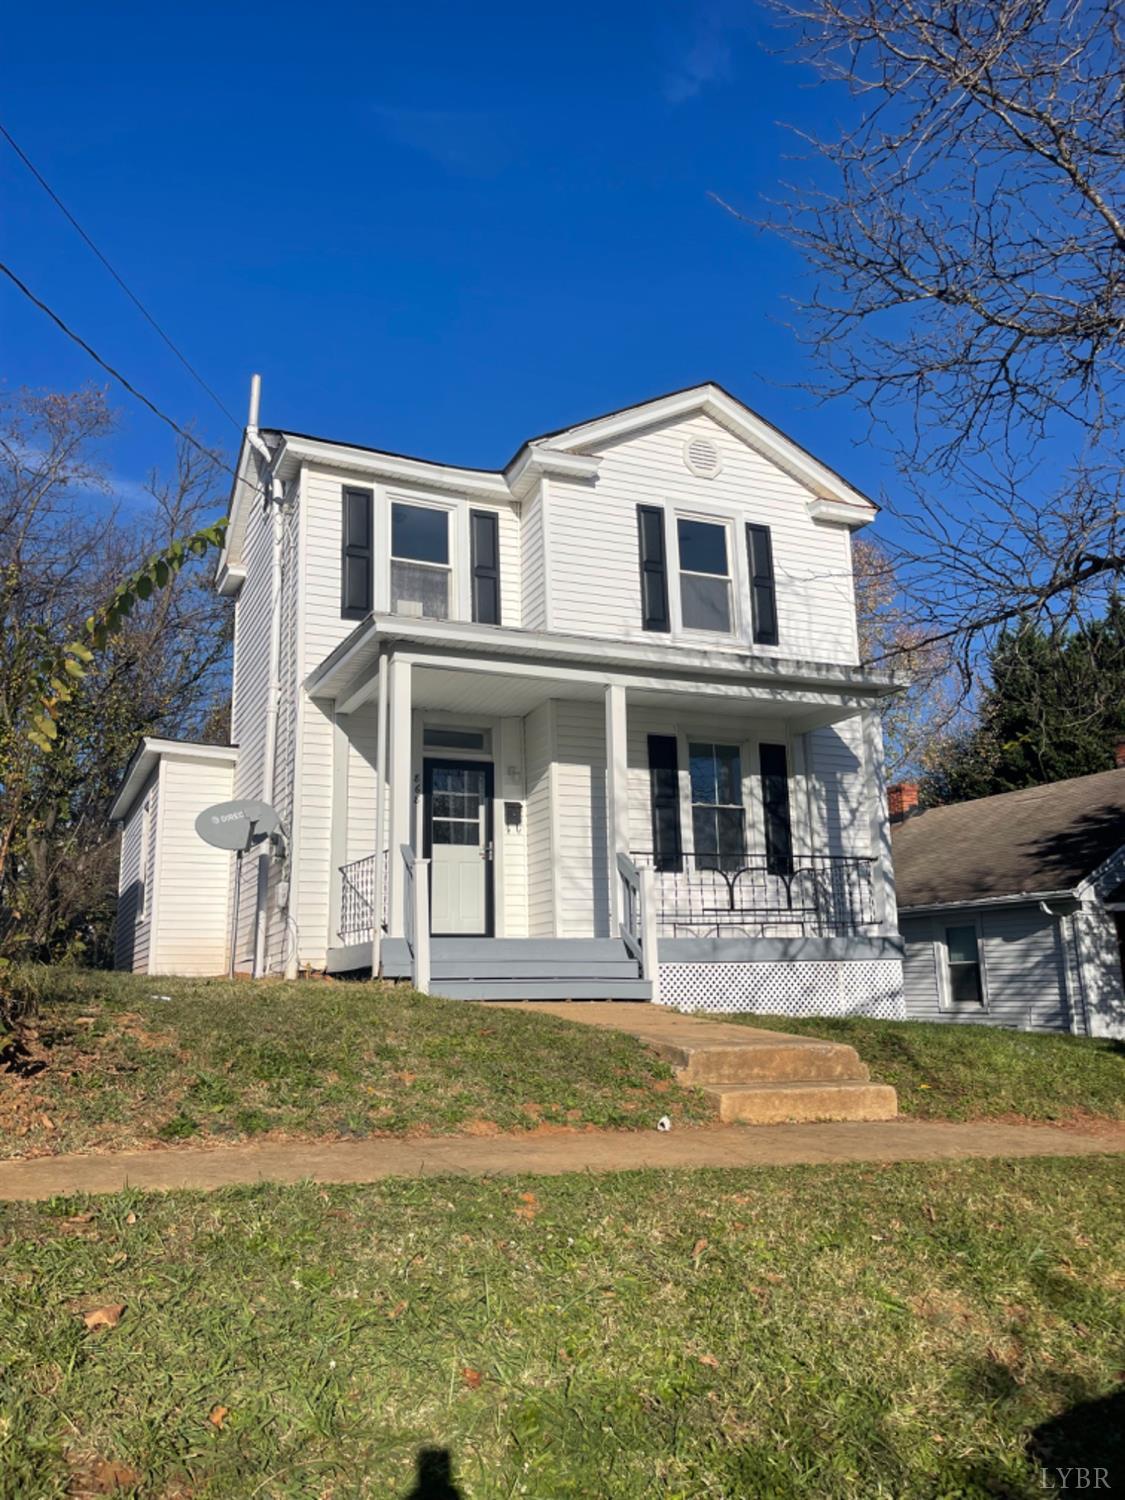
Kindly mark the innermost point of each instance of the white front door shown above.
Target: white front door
(459, 843)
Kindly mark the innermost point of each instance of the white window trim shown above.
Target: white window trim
(733, 575)
(458, 564)
(945, 986)
(748, 755)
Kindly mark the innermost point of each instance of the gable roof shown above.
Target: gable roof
(836, 499)
(1041, 840)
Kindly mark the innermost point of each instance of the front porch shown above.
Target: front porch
(551, 827)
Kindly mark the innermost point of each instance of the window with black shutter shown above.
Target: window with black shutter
(357, 563)
(763, 592)
(484, 528)
(664, 783)
(654, 568)
(775, 805)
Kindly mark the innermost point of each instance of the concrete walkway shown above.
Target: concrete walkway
(550, 1154)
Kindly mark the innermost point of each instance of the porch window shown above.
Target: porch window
(420, 561)
(718, 819)
(705, 583)
(964, 977)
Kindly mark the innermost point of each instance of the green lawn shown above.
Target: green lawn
(978, 1072)
(221, 1061)
(852, 1332)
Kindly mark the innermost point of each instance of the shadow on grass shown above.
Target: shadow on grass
(1089, 1435)
(434, 1479)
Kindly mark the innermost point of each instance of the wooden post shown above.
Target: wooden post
(616, 796)
(421, 924)
(401, 798)
(650, 935)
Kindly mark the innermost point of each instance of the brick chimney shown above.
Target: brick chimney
(902, 800)
(1119, 754)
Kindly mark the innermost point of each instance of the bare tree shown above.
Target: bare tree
(64, 547)
(966, 231)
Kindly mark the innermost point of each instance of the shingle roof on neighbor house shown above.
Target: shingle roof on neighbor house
(1043, 839)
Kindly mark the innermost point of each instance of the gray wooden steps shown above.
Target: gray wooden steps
(524, 968)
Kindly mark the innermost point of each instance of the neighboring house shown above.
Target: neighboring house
(1013, 907)
(592, 724)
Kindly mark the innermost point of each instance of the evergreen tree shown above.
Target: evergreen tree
(1054, 708)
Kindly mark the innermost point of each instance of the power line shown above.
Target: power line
(61, 206)
(117, 375)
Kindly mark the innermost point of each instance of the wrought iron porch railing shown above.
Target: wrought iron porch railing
(810, 895)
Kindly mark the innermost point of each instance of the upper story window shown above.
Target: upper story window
(420, 571)
(705, 576)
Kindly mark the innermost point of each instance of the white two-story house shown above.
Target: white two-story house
(592, 724)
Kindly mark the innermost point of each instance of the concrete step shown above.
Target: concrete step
(764, 1062)
(779, 1103)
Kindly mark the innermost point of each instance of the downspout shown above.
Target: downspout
(273, 693)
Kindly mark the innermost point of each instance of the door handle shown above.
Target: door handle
(486, 852)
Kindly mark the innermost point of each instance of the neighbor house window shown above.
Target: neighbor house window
(964, 976)
(705, 583)
(420, 561)
(718, 821)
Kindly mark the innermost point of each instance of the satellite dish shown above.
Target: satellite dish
(236, 825)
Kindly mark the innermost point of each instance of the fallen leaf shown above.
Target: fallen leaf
(104, 1317)
(218, 1415)
(709, 1359)
(698, 1248)
(397, 1310)
(130, 1218)
(78, 1219)
(528, 1206)
(772, 1276)
(472, 1378)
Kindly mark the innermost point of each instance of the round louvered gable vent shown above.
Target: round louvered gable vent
(703, 458)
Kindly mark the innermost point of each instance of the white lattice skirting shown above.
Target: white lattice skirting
(841, 988)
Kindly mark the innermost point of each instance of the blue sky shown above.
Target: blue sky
(438, 229)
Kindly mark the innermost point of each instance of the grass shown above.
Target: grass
(978, 1072)
(838, 1332)
(219, 1061)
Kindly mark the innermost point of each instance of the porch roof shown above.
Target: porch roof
(498, 669)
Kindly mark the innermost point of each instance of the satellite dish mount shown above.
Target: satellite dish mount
(240, 827)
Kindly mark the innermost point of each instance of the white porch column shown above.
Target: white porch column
(883, 878)
(338, 830)
(616, 795)
(400, 787)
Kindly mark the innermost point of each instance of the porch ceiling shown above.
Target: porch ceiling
(475, 690)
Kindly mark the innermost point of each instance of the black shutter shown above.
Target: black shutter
(357, 556)
(775, 803)
(664, 790)
(484, 531)
(763, 594)
(654, 568)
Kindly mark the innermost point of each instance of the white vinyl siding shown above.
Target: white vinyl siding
(192, 879)
(133, 931)
(538, 732)
(594, 575)
(534, 563)
(840, 810)
(581, 853)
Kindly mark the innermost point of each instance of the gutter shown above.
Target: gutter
(1024, 898)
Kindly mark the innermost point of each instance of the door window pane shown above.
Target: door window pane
(419, 532)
